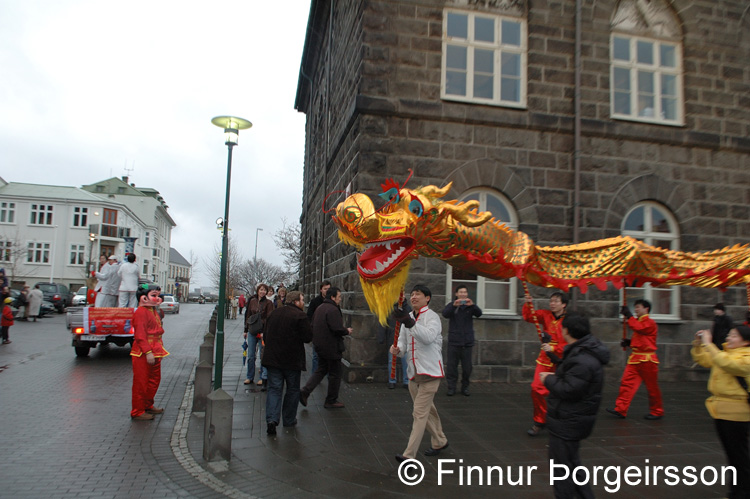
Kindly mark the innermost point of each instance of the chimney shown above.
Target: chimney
(125, 179)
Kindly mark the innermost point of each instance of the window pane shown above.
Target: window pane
(458, 25)
(483, 86)
(455, 83)
(497, 294)
(622, 103)
(455, 57)
(498, 209)
(484, 29)
(484, 61)
(471, 197)
(646, 82)
(511, 64)
(621, 49)
(659, 221)
(662, 243)
(669, 85)
(510, 90)
(645, 52)
(511, 34)
(667, 58)
(661, 301)
(669, 108)
(622, 79)
(635, 219)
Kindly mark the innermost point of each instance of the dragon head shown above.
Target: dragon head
(411, 223)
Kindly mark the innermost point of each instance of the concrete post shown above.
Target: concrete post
(201, 386)
(206, 352)
(212, 324)
(217, 434)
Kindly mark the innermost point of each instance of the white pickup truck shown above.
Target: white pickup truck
(92, 326)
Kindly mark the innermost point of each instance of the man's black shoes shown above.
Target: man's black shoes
(616, 414)
(652, 417)
(271, 428)
(401, 458)
(434, 452)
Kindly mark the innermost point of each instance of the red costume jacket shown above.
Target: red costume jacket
(7, 319)
(643, 342)
(147, 333)
(551, 326)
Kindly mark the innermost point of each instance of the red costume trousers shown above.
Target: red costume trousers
(146, 381)
(647, 372)
(539, 394)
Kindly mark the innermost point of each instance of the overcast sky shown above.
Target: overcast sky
(91, 87)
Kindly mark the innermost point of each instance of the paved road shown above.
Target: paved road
(65, 428)
(65, 431)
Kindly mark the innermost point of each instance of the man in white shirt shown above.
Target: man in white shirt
(420, 339)
(110, 281)
(129, 274)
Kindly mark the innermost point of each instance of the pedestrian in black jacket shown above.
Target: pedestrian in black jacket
(285, 333)
(721, 327)
(328, 340)
(461, 313)
(575, 392)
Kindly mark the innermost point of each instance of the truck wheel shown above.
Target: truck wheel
(82, 351)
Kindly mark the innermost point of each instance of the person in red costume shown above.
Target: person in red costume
(147, 352)
(643, 365)
(553, 345)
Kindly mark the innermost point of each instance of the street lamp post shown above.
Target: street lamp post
(255, 257)
(231, 126)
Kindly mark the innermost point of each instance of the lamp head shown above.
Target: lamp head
(232, 126)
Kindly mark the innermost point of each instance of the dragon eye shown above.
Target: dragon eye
(416, 207)
(390, 195)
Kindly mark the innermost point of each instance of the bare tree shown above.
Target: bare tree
(13, 254)
(213, 267)
(288, 241)
(261, 271)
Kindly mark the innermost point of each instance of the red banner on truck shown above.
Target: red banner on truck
(108, 321)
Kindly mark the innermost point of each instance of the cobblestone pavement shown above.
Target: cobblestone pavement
(66, 432)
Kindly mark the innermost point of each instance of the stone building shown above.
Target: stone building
(571, 120)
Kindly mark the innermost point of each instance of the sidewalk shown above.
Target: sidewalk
(350, 452)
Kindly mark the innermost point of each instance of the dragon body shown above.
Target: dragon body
(418, 222)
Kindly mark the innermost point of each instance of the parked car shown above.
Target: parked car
(170, 305)
(46, 309)
(79, 299)
(57, 294)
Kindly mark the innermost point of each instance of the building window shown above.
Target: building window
(145, 268)
(41, 214)
(77, 252)
(653, 224)
(80, 216)
(109, 223)
(646, 80)
(6, 250)
(7, 213)
(484, 59)
(146, 239)
(495, 297)
(37, 252)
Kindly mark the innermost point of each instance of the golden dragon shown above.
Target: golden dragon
(418, 222)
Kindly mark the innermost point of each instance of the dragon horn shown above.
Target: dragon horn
(462, 213)
(436, 192)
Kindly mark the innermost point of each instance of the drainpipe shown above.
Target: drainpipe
(577, 138)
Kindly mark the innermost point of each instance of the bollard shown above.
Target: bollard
(202, 386)
(208, 337)
(206, 352)
(212, 324)
(217, 434)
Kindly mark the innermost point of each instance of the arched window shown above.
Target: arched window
(654, 224)
(494, 297)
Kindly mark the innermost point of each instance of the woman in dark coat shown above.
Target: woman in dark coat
(257, 304)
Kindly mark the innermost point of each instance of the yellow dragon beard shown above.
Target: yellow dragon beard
(383, 294)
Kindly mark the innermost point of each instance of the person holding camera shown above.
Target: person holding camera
(729, 403)
(551, 322)
(643, 365)
(460, 313)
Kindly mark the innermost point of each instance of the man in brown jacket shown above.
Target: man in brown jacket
(328, 340)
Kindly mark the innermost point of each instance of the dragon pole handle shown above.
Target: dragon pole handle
(533, 311)
(396, 329)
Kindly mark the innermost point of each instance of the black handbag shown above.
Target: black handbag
(255, 324)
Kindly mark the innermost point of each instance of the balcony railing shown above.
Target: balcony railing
(106, 230)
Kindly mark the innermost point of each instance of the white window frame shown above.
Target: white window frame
(41, 214)
(649, 236)
(634, 67)
(77, 252)
(7, 212)
(482, 282)
(6, 250)
(80, 216)
(497, 47)
(38, 252)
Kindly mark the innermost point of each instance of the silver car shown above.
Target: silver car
(170, 305)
